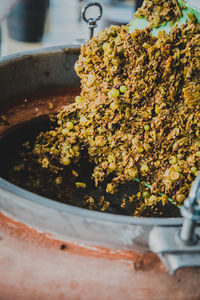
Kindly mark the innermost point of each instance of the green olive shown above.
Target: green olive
(114, 93)
(66, 161)
(146, 194)
(123, 89)
(146, 127)
(70, 125)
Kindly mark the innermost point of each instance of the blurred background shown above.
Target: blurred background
(38, 23)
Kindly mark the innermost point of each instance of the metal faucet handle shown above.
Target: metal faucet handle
(191, 213)
(92, 22)
(191, 208)
(194, 194)
(180, 247)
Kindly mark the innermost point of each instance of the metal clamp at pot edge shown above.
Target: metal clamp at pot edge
(180, 247)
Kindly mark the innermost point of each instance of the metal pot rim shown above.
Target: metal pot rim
(45, 50)
(61, 207)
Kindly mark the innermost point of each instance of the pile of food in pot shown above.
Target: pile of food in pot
(137, 116)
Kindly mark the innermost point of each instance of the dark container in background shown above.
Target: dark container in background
(26, 22)
(0, 39)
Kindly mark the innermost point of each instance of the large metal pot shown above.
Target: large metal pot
(50, 250)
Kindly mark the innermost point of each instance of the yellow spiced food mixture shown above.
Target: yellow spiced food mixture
(137, 116)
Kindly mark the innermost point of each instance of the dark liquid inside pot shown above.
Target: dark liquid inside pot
(20, 166)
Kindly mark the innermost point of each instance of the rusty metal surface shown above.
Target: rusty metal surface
(35, 265)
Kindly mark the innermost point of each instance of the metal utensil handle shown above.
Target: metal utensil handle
(191, 213)
(92, 22)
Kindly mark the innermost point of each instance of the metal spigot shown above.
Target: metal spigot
(191, 213)
(92, 22)
(179, 247)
